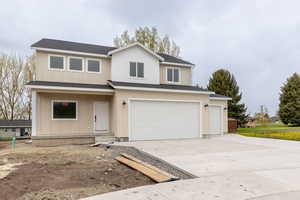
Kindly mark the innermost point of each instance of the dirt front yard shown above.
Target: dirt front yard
(66, 172)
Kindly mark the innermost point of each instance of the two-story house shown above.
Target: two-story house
(83, 91)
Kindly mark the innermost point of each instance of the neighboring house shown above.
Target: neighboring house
(15, 128)
(131, 93)
(275, 119)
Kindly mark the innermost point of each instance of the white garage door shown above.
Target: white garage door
(215, 119)
(151, 120)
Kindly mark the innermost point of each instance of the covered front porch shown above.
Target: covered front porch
(63, 115)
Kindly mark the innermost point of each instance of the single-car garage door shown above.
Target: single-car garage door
(153, 120)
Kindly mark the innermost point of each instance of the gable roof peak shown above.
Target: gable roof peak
(139, 45)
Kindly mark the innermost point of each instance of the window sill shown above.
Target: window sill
(136, 78)
(94, 72)
(64, 119)
(174, 83)
(75, 71)
(60, 70)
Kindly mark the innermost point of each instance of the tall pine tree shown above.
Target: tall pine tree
(289, 107)
(223, 82)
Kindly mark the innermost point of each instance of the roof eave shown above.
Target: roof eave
(26, 126)
(221, 98)
(158, 89)
(68, 88)
(69, 52)
(178, 64)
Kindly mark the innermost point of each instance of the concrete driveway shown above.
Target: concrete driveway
(229, 167)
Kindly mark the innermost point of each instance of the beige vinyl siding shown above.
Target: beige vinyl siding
(185, 75)
(121, 111)
(84, 125)
(44, 74)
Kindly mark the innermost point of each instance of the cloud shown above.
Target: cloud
(258, 41)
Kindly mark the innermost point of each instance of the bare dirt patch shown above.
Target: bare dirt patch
(67, 172)
(3, 144)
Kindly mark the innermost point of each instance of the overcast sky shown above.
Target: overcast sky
(257, 40)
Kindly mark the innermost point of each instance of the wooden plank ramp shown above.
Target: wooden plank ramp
(145, 170)
(171, 176)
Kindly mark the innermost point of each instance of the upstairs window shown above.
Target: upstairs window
(136, 69)
(76, 64)
(173, 75)
(93, 65)
(56, 62)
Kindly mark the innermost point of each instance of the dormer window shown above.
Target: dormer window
(173, 75)
(136, 69)
(56, 62)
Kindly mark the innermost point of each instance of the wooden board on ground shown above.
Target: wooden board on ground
(171, 176)
(154, 175)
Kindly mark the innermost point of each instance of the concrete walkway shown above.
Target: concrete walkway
(230, 167)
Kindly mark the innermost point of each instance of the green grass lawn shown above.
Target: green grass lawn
(276, 131)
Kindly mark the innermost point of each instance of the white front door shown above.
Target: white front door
(101, 116)
(215, 119)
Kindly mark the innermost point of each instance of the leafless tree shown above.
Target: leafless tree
(150, 38)
(15, 99)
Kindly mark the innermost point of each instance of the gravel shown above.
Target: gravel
(148, 158)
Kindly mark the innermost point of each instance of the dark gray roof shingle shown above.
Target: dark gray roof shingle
(159, 86)
(61, 84)
(72, 46)
(15, 123)
(173, 59)
(91, 48)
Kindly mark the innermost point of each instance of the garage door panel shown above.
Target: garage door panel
(164, 120)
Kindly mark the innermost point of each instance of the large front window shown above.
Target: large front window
(136, 69)
(64, 109)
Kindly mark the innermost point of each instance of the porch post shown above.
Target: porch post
(33, 111)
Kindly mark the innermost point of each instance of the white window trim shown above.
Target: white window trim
(75, 57)
(72, 101)
(54, 69)
(93, 59)
(136, 68)
(179, 75)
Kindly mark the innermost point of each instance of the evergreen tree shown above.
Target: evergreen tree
(150, 38)
(223, 82)
(289, 107)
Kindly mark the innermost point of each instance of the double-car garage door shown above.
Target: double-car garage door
(162, 119)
